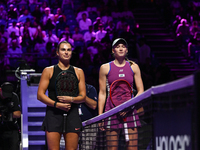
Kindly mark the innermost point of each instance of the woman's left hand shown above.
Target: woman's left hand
(65, 99)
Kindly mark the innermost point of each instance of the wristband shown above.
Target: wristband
(72, 99)
(55, 104)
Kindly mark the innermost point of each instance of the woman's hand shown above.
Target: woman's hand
(64, 106)
(65, 99)
(101, 125)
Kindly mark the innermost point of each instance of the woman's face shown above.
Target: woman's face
(120, 50)
(65, 51)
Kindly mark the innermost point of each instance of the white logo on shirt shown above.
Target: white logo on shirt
(121, 75)
(121, 70)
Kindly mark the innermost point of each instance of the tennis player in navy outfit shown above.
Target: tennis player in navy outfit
(87, 111)
(119, 68)
(59, 105)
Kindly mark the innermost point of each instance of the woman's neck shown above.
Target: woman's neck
(63, 66)
(120, 63)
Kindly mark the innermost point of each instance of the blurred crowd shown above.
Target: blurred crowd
(31, 29)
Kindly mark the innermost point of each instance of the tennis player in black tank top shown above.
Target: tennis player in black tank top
(53, 122)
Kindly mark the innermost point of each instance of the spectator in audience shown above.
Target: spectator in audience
(116, 14)
(27, 41)
(4, 31)
(79, 15)
(12, 12)
(39, 33)
(84, 23)
(58, 15)
(96, 23)
(52, 38)
(43, 7)
(143, 51)
(22, 18)
(120, 24)
(12, 37)
(91, 8)
(60, 24)
(127, 33)
(106, 17)
(176, 7)
(176, 22)
(14, 50)
(37, 15)
(3, 44)
(90, 35)
(77, 36)
(92, 49)
(111, 27)
(47, 16)
(40, 46)
(88, 110)
(100, 33)
(50, 25)
(194, 28)
(194, 45)
(55, 4)
(26, 28)
(3, 13)
(13, 28)
(29, 57)
(21, 10)
(66, 37)
(183, 32)
(127, 14)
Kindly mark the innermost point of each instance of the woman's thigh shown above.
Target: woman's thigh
(112, 139)
(71, 140)
(53, 140)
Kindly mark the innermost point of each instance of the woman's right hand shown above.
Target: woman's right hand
(101, 125)
(64, 106)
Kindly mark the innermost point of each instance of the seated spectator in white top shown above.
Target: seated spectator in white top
(79, 15)
(51, 37)
(3, 13)
(85, 22)
(13, 28)
(47, 16)
(22, 18)
(40, 46)
(14, 50)
(66, 37)
(26, 28)
(13, 37)
(100, 34)
(77, 36)
(89, 35)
